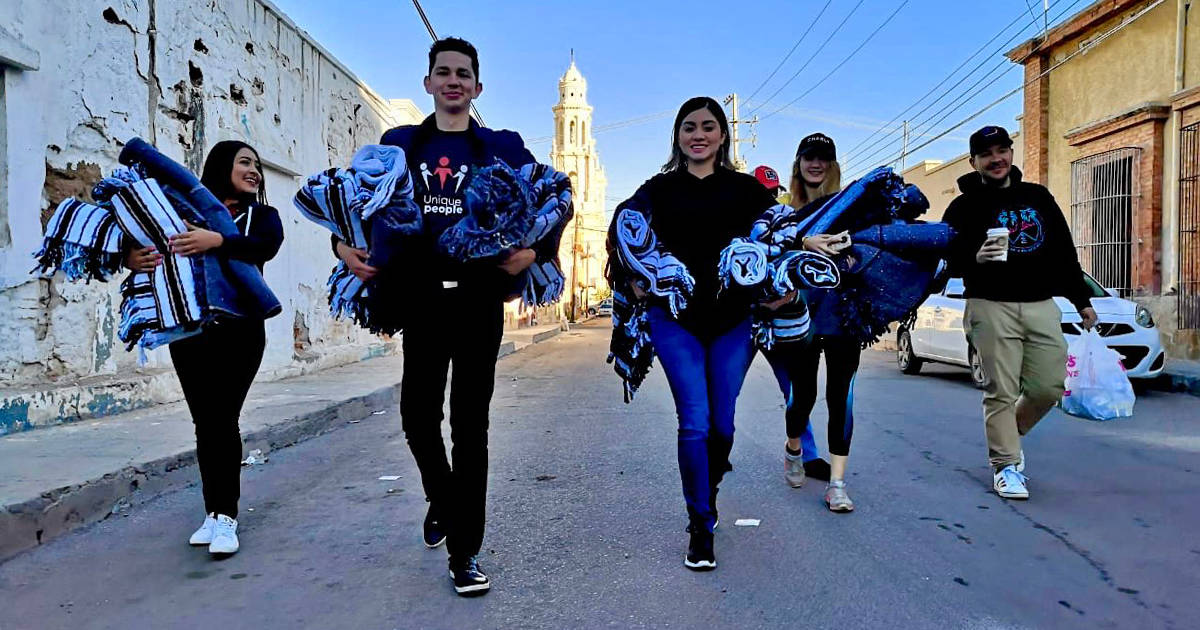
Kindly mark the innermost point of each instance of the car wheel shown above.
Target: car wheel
(592, 312)
(978, 376)
(906, 359)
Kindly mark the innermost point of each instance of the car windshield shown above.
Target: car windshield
(1097, 290)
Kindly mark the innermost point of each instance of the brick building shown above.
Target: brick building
(1111, 126)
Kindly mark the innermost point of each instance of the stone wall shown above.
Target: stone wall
(183, 75)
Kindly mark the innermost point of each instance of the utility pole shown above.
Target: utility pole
(1045, 19)
(574, 269)
(904, 147)
(732, 100)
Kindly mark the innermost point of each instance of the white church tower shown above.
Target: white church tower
(574, 152)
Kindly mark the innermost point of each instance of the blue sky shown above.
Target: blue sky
(645, 58)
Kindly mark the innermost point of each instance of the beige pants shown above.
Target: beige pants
(1024, 356)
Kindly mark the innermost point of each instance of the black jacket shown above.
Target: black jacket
(1042, 262)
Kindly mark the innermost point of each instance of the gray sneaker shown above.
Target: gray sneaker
(793, 469)
(836, 498)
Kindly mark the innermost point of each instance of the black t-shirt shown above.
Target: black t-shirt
(695, 219)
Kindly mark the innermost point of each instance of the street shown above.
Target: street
(586, 522)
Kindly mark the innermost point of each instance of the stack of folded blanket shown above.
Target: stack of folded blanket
(141, 206)
(370, 206)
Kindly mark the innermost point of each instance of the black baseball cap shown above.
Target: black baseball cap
(989, 137)
(817, 145)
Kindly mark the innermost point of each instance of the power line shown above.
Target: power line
(810, 59)
(897, 117)
(870, 151)
(789, 54)
(1082, 49)
(842, 62)
(433, 34)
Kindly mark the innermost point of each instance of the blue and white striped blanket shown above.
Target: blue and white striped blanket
(769, 268)
(84, 241)
(505, 210)
(342, 200)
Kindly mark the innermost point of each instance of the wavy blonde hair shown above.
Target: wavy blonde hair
(799, 190)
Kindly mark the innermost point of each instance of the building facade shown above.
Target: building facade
(582, 254)
(1112, 128)
(77, 80)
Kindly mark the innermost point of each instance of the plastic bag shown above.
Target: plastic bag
(1097, 387)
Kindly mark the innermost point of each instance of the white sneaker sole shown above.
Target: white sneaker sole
(223, 552)
(196, 542)
(435, 545)
(1021, 496)
(703, 565)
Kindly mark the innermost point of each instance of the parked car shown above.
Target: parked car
(603, 308)
(937, 335)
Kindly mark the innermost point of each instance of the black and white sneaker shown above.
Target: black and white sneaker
(700, 555)
(469, 580)
(433, 532)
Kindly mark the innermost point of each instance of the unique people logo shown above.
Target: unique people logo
(1025, 231)
(443, 173)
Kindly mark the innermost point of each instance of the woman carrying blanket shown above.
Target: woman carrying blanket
(665, 245)
(815, 176)
(217, 366)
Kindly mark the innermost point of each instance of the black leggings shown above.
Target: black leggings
(463, 327)
(841, 367)
(215, 370)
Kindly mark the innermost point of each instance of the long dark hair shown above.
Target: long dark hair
(678, 159)
(218, 173)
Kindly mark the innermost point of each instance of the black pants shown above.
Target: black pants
(460, 326)
(841, 367)
(215, 369)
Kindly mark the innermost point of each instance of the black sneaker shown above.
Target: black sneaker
(433, 532)
(468, 579)
(817, 469)
(700, 555)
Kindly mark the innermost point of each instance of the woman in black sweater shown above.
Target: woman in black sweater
(217, 366)
(697, 205)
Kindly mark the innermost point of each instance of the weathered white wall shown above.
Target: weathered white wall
(220, 69)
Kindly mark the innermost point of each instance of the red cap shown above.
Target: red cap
(767, 177)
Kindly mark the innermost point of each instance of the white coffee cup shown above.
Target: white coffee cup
(1000, 237)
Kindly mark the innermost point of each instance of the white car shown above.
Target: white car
(603, 308)
(937, 335)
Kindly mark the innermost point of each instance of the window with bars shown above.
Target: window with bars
(1104, 199)
(1189, 227)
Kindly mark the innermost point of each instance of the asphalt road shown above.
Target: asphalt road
(586, 523)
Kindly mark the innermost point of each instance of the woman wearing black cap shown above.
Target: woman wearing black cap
(815, 176)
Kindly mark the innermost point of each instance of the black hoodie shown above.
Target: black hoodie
(1042, 262)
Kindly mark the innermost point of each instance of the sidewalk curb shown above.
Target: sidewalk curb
(27, 524)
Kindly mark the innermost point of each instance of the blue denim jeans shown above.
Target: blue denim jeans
(706, 376)
(798, 424)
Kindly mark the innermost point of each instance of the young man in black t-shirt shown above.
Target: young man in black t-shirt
(453, 310)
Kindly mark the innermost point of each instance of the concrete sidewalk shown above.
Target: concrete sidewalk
(56, 479)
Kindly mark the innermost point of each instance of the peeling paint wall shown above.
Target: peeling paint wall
(185, 75)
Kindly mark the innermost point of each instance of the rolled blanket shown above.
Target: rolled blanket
(745, 263)
(656, 271)
(508, 210)
(381, 173)
(790, 324)
(235, 288)
(83, 240)
(878, 197)
(377, 186)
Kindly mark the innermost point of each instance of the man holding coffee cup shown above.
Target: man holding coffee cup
(1014, 252)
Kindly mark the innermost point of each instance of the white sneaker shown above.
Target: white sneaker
(204, 535)
(224, 539)
(1010, 484)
